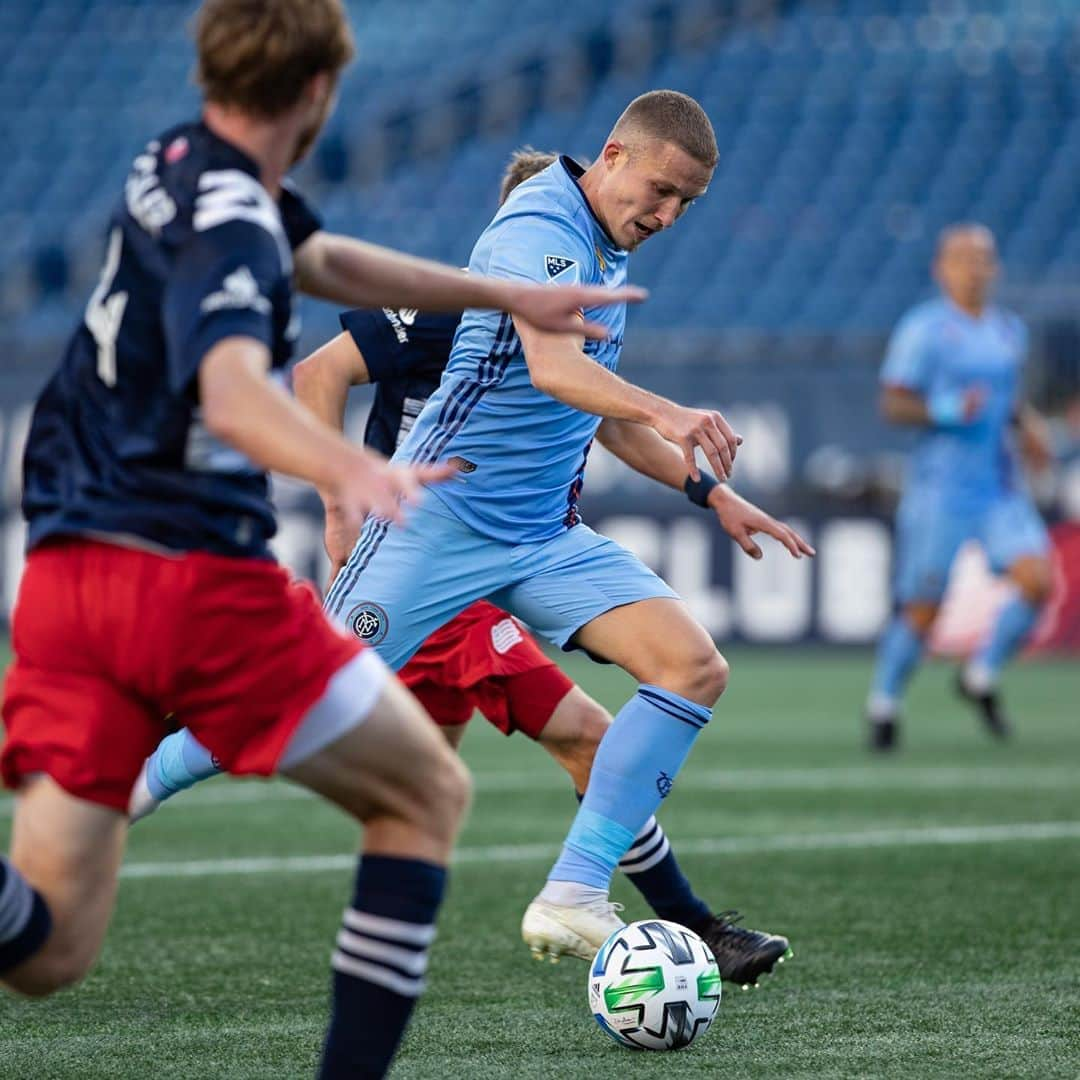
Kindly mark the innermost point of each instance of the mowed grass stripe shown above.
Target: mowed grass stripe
(1021, 778)
(935, 835)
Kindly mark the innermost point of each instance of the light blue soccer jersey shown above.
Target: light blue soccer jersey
(938, 349)
(521, 454)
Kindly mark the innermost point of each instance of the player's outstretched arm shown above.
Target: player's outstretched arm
(559, 368)
(900, 405)
(651, 455)
(355, 274)
(321, 383)
(242, 407)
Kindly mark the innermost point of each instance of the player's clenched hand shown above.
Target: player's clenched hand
(691, 428)
(557, 308)
(741, 520)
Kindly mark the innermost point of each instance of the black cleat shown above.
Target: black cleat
(884, 735)
(988, 705)
(742, 955)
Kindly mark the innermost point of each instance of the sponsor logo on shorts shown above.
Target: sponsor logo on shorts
(369, 622)
(505, 635)
(664, 784)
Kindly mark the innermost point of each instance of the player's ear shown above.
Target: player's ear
(613, 151)
(319, 89)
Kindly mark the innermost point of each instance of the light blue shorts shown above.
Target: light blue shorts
(402, 583)
(931, 527)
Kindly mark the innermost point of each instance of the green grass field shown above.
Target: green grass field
(933, 901)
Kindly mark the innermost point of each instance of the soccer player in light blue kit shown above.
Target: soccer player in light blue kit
(516, 412)
(953, 369)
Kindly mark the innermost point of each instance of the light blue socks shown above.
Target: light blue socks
(634, 770)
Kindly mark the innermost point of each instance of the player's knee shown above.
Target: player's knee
(714, 677)
(443, 790)
(1034, 579)
(921, 616)
(579, 732)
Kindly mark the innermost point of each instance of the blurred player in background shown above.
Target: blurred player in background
(953, 369)
(149, 587)
(516, 412)
(483, 659)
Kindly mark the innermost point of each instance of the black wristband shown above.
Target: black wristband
(697, 491)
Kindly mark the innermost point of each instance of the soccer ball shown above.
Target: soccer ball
(654, 985)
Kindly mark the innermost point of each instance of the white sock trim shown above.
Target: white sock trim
(409, 961)
(364, 922)
(384, 977)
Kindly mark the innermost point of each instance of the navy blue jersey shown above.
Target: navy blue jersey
(405, 353)
(197, 251)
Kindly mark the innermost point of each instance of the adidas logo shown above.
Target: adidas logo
(238, 291)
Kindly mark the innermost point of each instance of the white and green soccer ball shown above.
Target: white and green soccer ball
(654, 985)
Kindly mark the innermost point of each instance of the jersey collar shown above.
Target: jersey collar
(574, 172)
(242, 159)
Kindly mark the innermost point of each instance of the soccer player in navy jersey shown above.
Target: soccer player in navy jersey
(483, 659)
(953, 370)
(149, 588)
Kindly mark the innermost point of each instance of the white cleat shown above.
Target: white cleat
(142, 803)
(554, 930)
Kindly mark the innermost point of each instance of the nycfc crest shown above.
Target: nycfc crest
(664, 784)
(369, 623)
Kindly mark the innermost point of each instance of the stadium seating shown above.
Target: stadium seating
(846, 143)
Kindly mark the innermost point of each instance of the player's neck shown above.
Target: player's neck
(266, 142)
(973, 307)
(588, 182)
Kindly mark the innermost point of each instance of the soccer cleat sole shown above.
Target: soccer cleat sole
(788, 955)
(547, 936)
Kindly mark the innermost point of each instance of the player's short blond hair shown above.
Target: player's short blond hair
(673, 117)
(524, 164)
(258, 55)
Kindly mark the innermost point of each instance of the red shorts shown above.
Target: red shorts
(110, 639)
(485, 659)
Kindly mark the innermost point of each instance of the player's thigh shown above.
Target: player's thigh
(586, 590)
(659, 642)
(929, 533)
(403, 582)
(70, 851)
(393, 764)
(1017, 543)
(567, 583)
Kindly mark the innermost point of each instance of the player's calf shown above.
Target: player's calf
(396, 774)
(59, 887)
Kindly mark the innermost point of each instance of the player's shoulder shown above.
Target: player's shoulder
(189, 181)
(1009, 322)
(547, 205)
(928, 315)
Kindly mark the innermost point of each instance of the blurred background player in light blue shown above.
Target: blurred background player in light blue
(953, 369)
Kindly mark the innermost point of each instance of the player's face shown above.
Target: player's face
(967, 265)
(646, 188)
